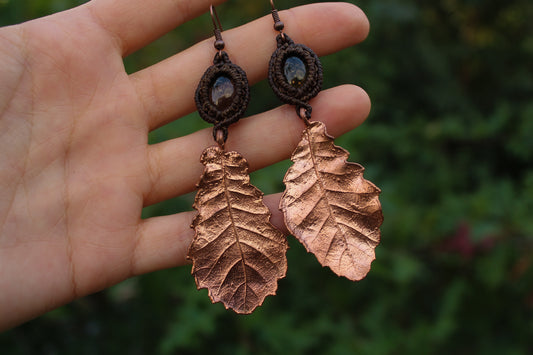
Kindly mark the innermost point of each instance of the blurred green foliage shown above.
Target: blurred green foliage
(449, 141)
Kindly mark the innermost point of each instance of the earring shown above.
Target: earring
(327, 204)
(236, 253)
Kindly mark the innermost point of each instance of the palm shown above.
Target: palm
(86, 138)
(77, 168)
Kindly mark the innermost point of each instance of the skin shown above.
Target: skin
(76, 169)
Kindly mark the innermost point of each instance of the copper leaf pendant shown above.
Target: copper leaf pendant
(237, 254)
(330, 207)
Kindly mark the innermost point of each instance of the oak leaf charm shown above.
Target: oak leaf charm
(330, 207)
(236, 253)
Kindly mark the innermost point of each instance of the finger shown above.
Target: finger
(136, 23)
(163, 241)
(262, 139)
(167, 88)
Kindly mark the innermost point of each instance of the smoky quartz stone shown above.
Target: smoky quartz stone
(222, 92)
(295, 71)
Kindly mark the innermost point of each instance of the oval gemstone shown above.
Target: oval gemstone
(222, 92)
(295, 71)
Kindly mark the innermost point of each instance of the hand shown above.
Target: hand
(76, 168)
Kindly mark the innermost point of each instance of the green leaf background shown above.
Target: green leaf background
(450, 143)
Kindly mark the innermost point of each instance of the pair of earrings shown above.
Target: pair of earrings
(237, 254)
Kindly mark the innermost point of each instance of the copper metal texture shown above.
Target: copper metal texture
(222, 66)
(330, 207)
(298, 96)
(237, 254)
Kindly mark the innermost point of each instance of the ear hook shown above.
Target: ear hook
(278, 24)
(217, 29)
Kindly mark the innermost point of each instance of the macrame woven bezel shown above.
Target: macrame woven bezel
(312, 85)
(222, 66)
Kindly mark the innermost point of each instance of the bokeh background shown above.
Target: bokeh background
(449, 141)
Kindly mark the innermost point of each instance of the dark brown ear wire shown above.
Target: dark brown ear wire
(217, 29)
(278, 24)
